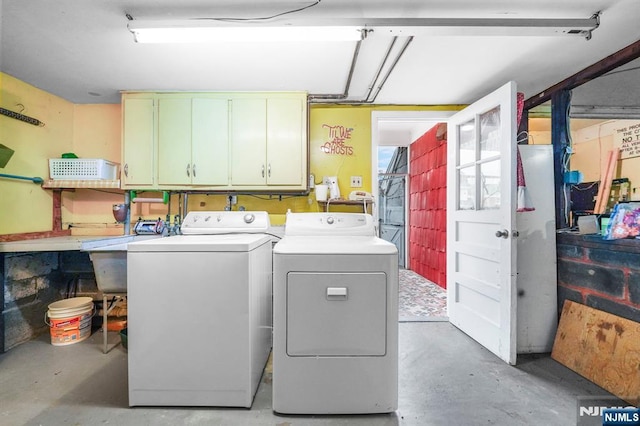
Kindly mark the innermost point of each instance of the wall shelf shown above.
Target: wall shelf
(79, 184)
(366, 205)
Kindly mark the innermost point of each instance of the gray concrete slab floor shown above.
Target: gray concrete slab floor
(445, 378)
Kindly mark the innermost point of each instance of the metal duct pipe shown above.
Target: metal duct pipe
(185, 205)
(344, 94)
(127, 220)
(366, 100)
(382, 64)
(395, 62)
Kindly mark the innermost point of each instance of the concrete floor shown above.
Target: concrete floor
(445, 379)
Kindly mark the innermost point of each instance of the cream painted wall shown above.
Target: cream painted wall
(591, 145)
(343, 131)
(97, 133)
(94, 131)
(25, 206)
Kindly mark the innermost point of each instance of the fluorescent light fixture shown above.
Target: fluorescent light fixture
(211, 30)
(203, 32)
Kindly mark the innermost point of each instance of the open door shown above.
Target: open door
(481, 228)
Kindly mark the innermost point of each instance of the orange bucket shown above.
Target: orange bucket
(70, 320)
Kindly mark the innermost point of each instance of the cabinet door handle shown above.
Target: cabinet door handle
(263, 170)
(269, 170)
(193, 169)
(126, 169)
(189, 170)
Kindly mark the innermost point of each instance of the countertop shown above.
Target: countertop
(86, 243)
(63, 243)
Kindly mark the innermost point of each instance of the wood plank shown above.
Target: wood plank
(601, 347)
(607, 180)
(7, 238)
(602, 67)
(560, 105)
(604, 172)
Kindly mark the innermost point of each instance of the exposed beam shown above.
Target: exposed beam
(609, 63)
(560, 103)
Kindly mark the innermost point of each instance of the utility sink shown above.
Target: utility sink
(110, 262)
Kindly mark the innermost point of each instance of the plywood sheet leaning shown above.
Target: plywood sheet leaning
(601, 347)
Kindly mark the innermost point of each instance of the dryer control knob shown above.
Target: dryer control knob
(249, 218)
(330, 220)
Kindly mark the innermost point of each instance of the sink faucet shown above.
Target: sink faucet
(175, 228)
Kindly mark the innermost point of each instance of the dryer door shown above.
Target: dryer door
(336, 313)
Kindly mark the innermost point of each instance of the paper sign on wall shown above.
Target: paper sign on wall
(628, 140)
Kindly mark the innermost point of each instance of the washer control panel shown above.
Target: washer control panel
(225, 222)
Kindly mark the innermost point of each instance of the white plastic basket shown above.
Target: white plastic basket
(82, 169)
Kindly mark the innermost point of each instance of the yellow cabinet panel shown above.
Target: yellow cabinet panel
(210, 141)
(286, 142)
(248, 142)
(138, 143)
(174, 141)
(215, 141)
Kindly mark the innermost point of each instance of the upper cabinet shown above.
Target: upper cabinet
(193, 141)
(248, 142)
(210, 141)
(286, 156)
(268, 142)
(215, 141)
(138, 148)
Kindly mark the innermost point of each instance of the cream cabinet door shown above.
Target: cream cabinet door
(286, 141)
(210, 141)
(248, 141)
(138, 143)
(174, 141)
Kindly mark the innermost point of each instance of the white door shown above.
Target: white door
(481, 246)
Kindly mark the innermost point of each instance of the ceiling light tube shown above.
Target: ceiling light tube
(352, 29)
(203, 32)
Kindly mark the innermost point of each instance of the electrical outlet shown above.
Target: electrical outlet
(356, 181)
(233, 199)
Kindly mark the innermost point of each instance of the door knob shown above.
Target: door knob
(502, 234)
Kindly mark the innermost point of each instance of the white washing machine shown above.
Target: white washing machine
(199, 312)
(335, 347)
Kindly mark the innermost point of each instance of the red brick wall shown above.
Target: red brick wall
(428, 205)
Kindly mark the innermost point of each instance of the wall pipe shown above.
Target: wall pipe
(386, 76)
(127, 220)
(366, 100)
(382, 64)
(344, 94)
(32, 179)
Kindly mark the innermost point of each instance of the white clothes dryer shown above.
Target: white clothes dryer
(335, 348)
(200, 312)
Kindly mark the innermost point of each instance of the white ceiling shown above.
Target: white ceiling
(82, 51)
